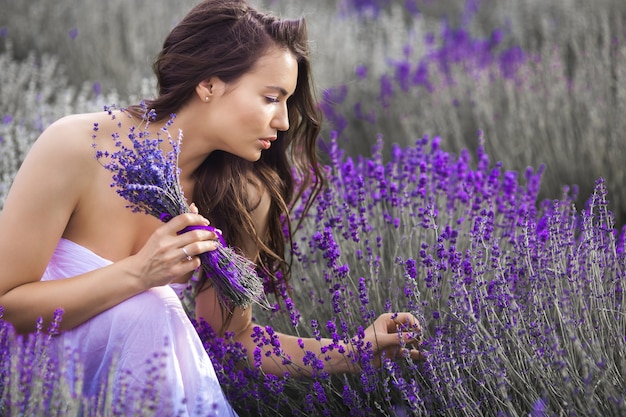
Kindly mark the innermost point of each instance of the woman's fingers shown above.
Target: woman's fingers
(409, 327)
(399, 335)
(195, 240)
(185, 220)
(405, 322)
(170, 255)
(417, 355)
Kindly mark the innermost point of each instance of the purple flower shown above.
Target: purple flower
(149, 181)
(539, 408)
(361, 71)
(97, 88)
(386, 91)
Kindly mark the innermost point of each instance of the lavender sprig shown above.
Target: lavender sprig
(238, 277)
(149, 180)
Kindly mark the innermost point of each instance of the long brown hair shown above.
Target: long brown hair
(225, 38)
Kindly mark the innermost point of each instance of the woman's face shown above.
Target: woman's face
(244, 117)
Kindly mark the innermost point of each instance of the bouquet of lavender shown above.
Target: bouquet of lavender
(149, 180)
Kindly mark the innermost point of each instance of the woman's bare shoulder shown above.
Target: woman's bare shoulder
(45, 193)
(70, 140)
(74, 127)
(68, 132)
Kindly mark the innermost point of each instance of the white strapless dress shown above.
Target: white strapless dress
(146, 344)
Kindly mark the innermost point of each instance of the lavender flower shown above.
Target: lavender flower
(238, 283)
(149, 180)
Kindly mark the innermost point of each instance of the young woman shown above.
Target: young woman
(239, 82)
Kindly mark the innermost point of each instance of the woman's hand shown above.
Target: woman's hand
(394, 335)
(168, 256)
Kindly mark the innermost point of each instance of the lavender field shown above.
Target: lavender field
(475, 154)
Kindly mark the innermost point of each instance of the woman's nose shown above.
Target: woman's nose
(281, 119)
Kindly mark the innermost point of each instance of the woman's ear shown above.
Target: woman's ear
(206, 89)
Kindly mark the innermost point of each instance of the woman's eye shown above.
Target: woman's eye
(272, 99)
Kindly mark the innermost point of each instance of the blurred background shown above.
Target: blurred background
(537, 82)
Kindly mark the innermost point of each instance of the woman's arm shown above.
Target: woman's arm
(46, 194)
(391, 335)
(388, 335)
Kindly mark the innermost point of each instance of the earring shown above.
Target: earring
(206, 98)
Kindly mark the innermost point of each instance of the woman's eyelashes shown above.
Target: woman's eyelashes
(271, 99)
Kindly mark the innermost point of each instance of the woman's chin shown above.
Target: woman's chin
(252, 157)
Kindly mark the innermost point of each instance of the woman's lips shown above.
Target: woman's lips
(267, 142)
